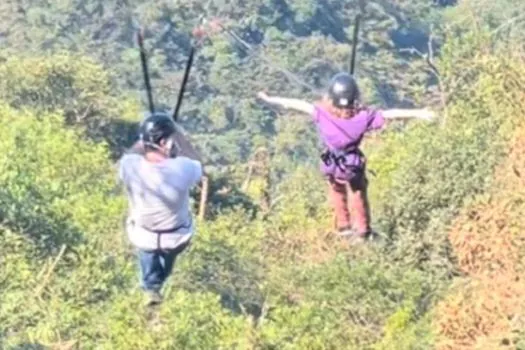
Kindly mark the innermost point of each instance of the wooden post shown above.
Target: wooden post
(204, 197)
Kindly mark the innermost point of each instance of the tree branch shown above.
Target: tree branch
(429, 59)
(204, 197)
(50, 271)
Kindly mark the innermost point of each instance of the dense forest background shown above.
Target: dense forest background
(264, 271)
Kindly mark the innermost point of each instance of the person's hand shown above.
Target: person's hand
(263, 96)
(427, 114)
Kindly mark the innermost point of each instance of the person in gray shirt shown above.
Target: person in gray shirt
(158, 179)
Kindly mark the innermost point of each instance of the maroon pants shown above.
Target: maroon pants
(351, 194)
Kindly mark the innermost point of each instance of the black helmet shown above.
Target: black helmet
(343, 91)
(155, 128)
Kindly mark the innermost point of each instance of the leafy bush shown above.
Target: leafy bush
(432, 171)
(266, 272)
(488, 308)
(76, 86)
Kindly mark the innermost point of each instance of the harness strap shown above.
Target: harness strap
(328, 157)
(336, 155)
(159, 233)
(174, 230)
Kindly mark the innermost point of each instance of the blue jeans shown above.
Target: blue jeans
(156, 266)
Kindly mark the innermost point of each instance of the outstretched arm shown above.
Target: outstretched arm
(408, 113)
(288, 103)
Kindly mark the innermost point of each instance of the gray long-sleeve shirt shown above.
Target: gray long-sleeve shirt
(158, 196)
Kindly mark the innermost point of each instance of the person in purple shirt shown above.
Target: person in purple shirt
(342, 123)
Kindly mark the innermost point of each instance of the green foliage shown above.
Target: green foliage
(224, 285)
(432, 171)
(207, 326)
(264, 273)
(75, 86)
(338, 304)
(309, 38)
(401, 332)
(47, 179)
(48, 176)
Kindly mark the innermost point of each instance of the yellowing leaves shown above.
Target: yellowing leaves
(489, 242)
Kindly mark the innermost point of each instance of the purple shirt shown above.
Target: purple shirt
(338, 134)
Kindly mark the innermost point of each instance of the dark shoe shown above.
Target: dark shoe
(356, 238)
(373, 236)
(153, 298)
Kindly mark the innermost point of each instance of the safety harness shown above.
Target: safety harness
(336, 156)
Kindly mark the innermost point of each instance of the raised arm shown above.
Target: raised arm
(288, 103)
(186, 147)
(408, 114)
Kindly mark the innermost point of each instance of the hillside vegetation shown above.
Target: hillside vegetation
(264, 271)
